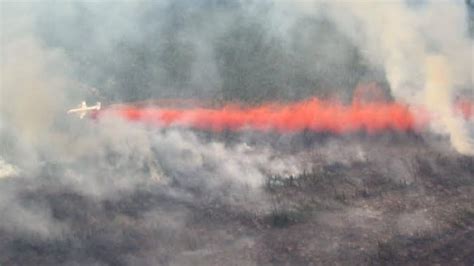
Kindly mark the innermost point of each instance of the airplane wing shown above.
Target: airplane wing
(83, 109)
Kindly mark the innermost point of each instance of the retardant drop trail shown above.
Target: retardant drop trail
(313, 114)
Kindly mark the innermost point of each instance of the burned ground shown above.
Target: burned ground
(111, 192)
(357, 212)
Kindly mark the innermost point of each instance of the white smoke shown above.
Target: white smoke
(105, 159)
(7, 170)
(424, 49)
(59, 175)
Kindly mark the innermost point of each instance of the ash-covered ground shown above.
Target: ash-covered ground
(371, 200)
(114, 192)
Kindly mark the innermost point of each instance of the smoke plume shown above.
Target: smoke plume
(423, 66)
(280, 77)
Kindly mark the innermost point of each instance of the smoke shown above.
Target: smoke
(60, 175)
(7, 170)
(111, 158)
(438, 98)
(180, 54)
(427, 61)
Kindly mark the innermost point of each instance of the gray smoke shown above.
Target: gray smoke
(427, 61)
(103, 159)
(55, 54)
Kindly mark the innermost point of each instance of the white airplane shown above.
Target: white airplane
(83, 109)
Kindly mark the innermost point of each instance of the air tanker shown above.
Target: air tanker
(83, 109)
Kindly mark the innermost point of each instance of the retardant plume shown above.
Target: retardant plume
(313, 114)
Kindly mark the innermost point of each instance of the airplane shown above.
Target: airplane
(83, 109)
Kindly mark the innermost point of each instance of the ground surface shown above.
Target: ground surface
(401, 203)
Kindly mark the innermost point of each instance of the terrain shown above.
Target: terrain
(391, 199)
(245, 132)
